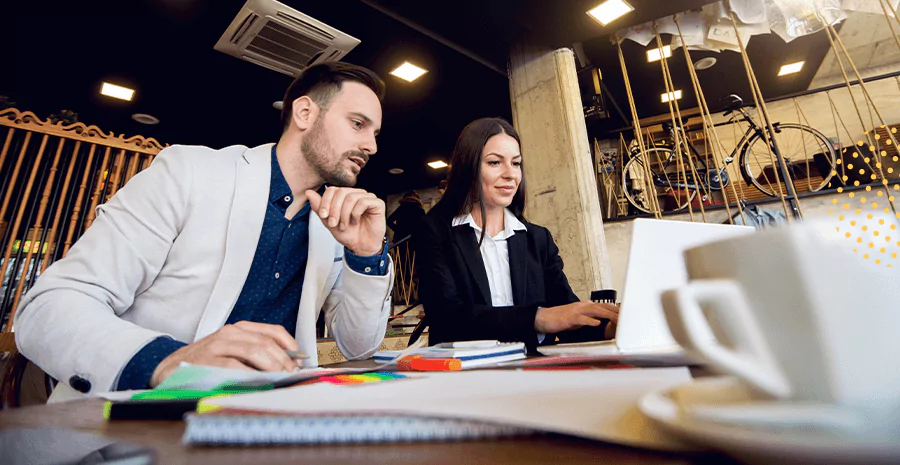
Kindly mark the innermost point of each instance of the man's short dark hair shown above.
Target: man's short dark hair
(323, 81)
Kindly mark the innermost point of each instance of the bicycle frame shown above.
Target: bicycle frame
(658, 170)
(752, 130)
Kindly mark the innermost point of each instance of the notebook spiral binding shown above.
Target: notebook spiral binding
(223, 429)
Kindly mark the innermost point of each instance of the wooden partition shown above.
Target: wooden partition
(53, 177)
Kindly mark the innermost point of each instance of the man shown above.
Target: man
(226, 257)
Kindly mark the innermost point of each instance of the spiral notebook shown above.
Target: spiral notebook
(266, 429)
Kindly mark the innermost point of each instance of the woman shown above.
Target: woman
(485, 272)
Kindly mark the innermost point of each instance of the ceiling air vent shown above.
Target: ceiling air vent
(277, 37)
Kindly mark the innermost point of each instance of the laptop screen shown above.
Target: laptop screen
(656, 264)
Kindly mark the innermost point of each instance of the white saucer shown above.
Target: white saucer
(779, 442)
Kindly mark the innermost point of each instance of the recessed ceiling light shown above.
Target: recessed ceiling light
(278, 105)
(704, 63)
(119, 92)
(791, 68)
(438, 164)
(396, 171)
(408, 71)
(653, 55)
(609, 10)
(144, 118)
(671, 96)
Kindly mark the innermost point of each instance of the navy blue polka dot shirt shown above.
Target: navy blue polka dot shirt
(272, 291)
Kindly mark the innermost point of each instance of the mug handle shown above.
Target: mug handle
(750, 359)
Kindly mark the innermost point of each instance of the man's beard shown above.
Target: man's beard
(316, 148)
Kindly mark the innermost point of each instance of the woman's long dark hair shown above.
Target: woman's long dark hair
(464, 180)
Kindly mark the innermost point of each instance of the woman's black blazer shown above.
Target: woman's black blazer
(453, 285)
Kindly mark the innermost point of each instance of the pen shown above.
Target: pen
(294, 355)
(468, 344)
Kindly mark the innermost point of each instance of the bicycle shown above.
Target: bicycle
(809, 156)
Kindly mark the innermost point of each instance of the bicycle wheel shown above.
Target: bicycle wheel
(665, 178)
(809, 155)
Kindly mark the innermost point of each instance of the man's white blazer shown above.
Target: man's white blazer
(168, 255)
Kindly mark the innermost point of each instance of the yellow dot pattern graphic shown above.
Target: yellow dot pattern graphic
(853, 228)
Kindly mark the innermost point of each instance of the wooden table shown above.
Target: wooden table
(164, 437)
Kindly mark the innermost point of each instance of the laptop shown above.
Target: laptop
(655, 264)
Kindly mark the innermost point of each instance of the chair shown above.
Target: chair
(418, 330)
(15, 373)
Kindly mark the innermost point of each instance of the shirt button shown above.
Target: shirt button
(277, 275)
(381, 263)
(287, 198)
(80, 384)
(368, 269)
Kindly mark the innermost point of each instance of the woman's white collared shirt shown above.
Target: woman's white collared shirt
(495, 255)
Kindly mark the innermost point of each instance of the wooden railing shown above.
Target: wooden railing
(53, 177)
(406, 289)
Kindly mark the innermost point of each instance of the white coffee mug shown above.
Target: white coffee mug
(796, 313)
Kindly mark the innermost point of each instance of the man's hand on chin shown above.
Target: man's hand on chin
(356, 218)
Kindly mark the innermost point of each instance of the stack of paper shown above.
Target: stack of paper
(594, 404)
(471, 356)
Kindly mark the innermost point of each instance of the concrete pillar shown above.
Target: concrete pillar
(562, 187)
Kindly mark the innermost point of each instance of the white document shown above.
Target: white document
(204, 378)
(116, 395)
(694, 29)
(594, 404)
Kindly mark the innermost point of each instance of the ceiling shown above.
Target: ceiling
(767, 54)
(60, 52)
(870, 42)
(500, 23)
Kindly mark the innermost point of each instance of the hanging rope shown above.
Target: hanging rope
(887, 17)
(636, 124)
(801, 118)
(840, 63)
(620, 166)
(709, 129)
(764, 115)
(858, 154)
(837, 133)
(885, 7)
(833, 37)
(865, 159)
(675, 114)
(735, 138)
(659, 161)
(606, 177)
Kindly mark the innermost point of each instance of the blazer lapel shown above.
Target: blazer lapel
(248, 210)
(320, 259)
(518, 265)
(466, 242)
